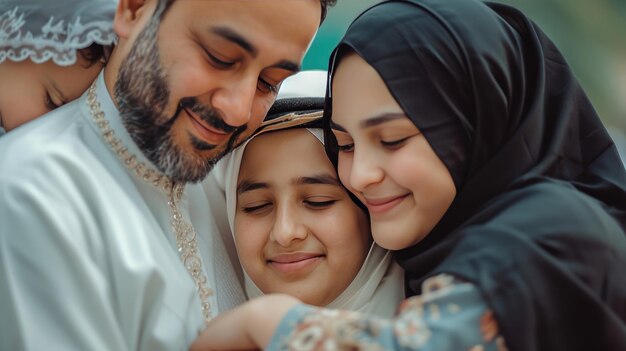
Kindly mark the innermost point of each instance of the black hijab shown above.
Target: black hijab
(538, 221)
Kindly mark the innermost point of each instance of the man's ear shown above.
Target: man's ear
(127, 16)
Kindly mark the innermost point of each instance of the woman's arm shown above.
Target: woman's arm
(449, 315)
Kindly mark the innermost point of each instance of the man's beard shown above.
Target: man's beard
(142, 94)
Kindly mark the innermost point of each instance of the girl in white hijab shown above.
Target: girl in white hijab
(296, 229)
(50, 51)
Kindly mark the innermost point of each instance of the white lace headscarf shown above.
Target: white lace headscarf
(378, 287)
(43, 30)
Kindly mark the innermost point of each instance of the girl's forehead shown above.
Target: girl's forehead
(295, 149)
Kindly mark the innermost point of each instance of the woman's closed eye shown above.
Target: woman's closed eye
(345, 148)
(394, 143)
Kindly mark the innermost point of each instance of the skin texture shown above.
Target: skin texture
(297, 231)
(29, 90)
(385, 160)
(194, 82)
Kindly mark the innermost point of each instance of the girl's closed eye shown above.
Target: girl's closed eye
(256, 207)
(319, 203)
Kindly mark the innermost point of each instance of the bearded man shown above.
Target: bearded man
(109, 233)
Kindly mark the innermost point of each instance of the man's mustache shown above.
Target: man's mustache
(208, 115)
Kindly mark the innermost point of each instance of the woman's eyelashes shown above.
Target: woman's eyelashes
(390, 144)
(394, 144)
(345, 148)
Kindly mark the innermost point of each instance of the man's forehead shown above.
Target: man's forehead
(255, 24)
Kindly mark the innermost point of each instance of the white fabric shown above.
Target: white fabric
(310, 83)
(88, 260)
(377, 288)
(45, 30)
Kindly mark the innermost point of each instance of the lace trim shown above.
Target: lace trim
(58, 41)
(186, 238)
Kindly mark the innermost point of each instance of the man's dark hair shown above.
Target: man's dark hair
(95, 54)
(325, 5)
(165, 4)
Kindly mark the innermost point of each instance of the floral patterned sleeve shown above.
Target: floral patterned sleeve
(449, 315)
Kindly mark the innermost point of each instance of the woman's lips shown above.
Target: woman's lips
(382, 205)
(208, 134)
(295, 262)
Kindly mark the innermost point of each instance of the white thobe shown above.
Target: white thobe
(88, 259)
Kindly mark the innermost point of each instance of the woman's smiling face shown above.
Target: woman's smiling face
(384, 159)
(296, 229)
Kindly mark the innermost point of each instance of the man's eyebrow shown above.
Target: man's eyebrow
(287, 65)
(249, 185)
(324, 179)
(380, 119)
(230, 35)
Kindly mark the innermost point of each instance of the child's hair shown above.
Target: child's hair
(95, 54)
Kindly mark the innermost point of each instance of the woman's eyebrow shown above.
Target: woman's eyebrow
(380, 119)
(372, 121)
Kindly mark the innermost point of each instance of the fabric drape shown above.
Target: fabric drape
(538, 220)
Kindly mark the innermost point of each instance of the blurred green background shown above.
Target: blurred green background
(591, 34)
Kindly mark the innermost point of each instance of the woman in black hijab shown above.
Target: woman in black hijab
(483, 163)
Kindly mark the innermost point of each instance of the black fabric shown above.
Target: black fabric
(539, 217)
(295, 105)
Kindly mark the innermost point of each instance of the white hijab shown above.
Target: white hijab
(54, 30)
(379, 285)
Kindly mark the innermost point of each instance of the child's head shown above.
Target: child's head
(296, 229)
(49, 54)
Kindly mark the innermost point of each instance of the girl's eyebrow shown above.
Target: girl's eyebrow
(248, 185)
(372, 121)
(324, 179)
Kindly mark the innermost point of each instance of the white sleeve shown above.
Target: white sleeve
(54, 295)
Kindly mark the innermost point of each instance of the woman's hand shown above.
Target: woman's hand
(247, 327)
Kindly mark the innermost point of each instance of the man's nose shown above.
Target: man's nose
(235, 101)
